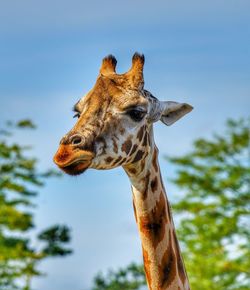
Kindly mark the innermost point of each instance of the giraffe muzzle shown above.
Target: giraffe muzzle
(72, 160)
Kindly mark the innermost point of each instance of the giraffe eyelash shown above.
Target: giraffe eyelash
(77, 115)
(76, 111)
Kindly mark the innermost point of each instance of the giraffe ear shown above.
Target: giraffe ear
(173, 111)
(135, 74)
(108, 65)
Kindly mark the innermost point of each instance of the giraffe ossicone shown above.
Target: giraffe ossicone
(115, 128)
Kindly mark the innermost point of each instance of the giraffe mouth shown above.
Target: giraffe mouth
(72, 162)
(76, 167)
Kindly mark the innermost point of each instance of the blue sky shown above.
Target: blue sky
(50, 53)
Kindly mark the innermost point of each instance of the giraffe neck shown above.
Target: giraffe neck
(163, 263)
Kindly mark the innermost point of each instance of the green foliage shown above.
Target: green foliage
(214, 227)
(130, 278)
(213, 212)
(54, 237)
(19, 180)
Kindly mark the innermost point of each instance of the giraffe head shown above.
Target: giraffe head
(114, 125)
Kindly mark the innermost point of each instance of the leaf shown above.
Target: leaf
(25, 123)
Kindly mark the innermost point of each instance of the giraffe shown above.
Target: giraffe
(115, 128)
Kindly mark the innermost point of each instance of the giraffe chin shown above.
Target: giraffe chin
(76, 168)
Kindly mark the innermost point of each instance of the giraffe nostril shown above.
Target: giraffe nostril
(76, 140)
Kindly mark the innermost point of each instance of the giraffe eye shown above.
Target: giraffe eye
(136, 115)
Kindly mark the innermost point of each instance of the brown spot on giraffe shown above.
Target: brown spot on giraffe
(140, 133)
(153, 224)
(109, 159)
(146, 182)
(132, 170)
(154, 184)
(118, 160)
(142, 164)
(134, 149)
(126, 146)
(155, 165)
(115, 147)
(168, 267)
(138, 156)
(121, 161)
(180, 265)
(145, 139)
(122, 130)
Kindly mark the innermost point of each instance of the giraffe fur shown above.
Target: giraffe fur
(115, 128)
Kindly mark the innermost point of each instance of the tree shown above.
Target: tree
(19, 180)
(214, 209)
(212, 213)
(130, 278)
